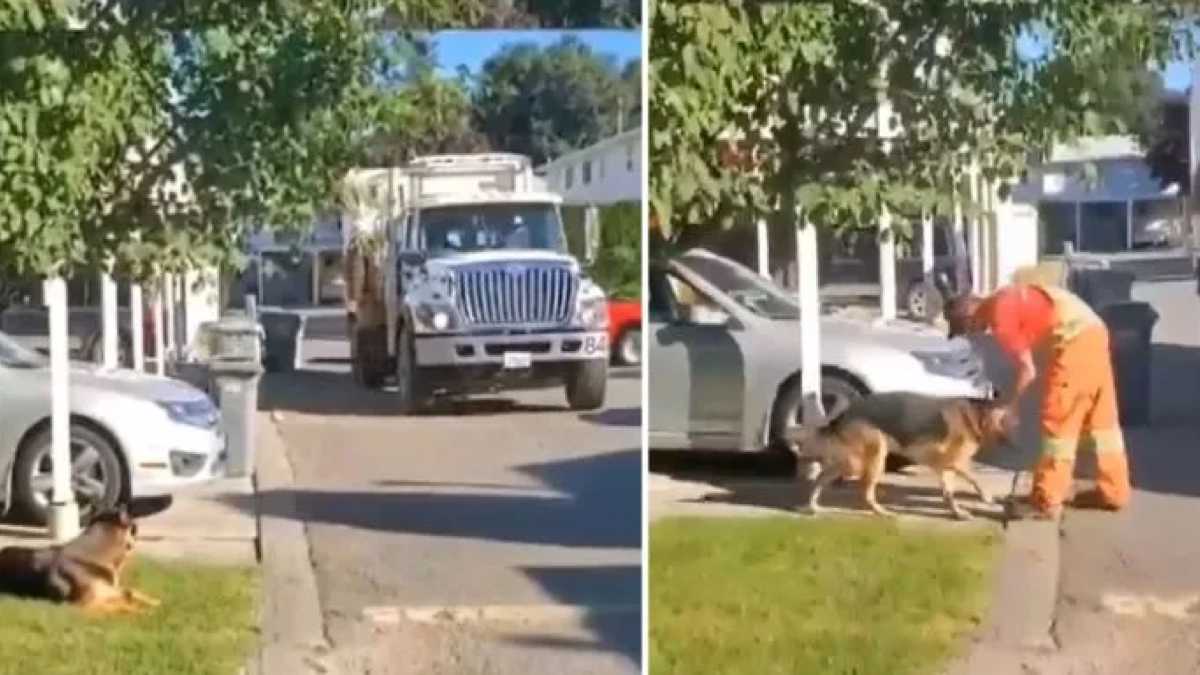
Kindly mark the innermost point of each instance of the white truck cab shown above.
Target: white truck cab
(481, 293)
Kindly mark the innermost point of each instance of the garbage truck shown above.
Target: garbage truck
(459, 281)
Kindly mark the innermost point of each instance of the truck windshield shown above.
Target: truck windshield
(482, 227)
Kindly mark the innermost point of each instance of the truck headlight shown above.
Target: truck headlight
(433, 316)
(593, 313)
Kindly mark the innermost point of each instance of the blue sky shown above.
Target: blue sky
(471, 48)
(1177, 75)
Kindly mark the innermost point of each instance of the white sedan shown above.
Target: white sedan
(724, 361)
(132, 435)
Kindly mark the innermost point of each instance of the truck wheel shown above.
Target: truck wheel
(586, 382)
(370, 356)
(414, 393)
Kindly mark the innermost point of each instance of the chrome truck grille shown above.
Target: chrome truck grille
(516, 294)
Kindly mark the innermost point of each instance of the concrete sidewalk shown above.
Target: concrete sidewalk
(215, 523)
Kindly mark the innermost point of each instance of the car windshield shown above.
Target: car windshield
(484, 227)
(13, 355)
(759, 295)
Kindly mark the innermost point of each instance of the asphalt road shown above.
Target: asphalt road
(513, 506)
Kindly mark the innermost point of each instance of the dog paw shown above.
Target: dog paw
(987, 499)
(964, 515)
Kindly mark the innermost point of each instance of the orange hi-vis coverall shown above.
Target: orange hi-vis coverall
(1080, 404)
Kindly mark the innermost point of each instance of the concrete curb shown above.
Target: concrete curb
(293, 638)
(575, 615)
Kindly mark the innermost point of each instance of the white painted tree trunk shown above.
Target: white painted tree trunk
(809, 297)
(109, 328)
(927, 244)
(887, 266)
(64, 512)
(158, 307)
(137, 335)
(973, 234)
(764, 249)
(169, 299)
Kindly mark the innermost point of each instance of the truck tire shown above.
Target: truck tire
(370, 356)
(586, 382)
(413, 391)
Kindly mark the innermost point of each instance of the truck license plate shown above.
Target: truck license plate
(517, 360)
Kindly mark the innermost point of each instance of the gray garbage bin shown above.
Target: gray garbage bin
(1130, 329)
(1102, 287)
(284, 337)
(235, 368)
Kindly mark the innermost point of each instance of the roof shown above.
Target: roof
(1094, 148)
(634, 134)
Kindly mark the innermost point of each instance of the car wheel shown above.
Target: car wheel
(628, 350)
(96, 474)
(924, 301)
(95, 350)
(586, 384)
(788, 413)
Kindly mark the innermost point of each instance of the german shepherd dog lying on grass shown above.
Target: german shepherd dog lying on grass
(85, 571)
(943, 434)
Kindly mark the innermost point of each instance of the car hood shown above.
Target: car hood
(900, 334)
(132, 383)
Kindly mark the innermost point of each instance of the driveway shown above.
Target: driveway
(512, 514)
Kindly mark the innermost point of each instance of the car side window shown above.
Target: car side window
(691, 305)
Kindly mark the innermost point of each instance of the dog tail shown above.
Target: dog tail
(805, 440)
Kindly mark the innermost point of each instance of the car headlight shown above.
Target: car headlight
(196, 413)
(948, 364)
(435, 317)
(593, 313)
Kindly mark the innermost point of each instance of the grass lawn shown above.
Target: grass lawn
(208, 622)
(830, 596)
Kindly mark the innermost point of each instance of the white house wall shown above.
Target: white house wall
(615, 173)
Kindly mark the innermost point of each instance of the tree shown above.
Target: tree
(427, 115)
(546, 102)
(157, 135)
(797, 87)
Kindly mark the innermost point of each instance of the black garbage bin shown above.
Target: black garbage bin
(1130, 329)
(284, 333)
(1102, 287)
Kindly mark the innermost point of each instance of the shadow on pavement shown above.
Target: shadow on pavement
(625, 373)
(615, 417)
(318, 392)
(616, 587)
(599, 506)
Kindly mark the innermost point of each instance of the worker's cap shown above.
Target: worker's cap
(959, 312)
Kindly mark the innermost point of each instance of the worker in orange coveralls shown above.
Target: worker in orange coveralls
(1080, 406)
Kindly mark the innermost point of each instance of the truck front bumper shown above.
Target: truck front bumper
(510, 351)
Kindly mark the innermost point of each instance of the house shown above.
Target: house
(1099, 196)
(606, 172)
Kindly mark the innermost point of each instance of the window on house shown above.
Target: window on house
(600, 167)
(569, 177)
(586, 170)
(1057, 222)
(629, 157)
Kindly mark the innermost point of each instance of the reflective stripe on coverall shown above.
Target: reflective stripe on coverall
(1079, 408)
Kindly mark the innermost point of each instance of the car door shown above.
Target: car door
(696, 368)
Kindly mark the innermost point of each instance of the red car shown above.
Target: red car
(625, 331)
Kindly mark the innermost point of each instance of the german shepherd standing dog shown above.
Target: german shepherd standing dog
(85, 571)
(943, 434)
